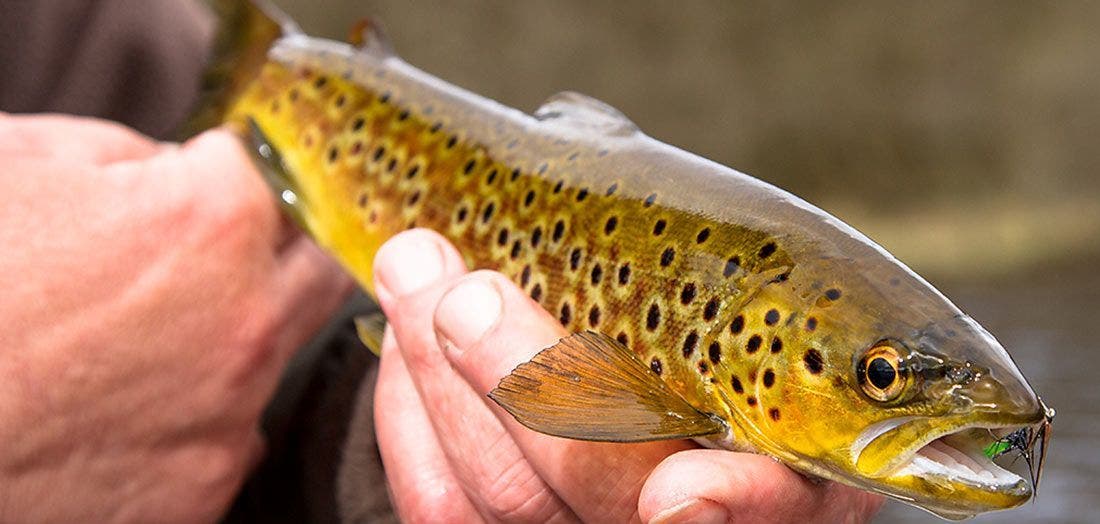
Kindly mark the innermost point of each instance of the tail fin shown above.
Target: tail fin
(246, 30)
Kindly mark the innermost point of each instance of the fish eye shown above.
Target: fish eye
(881, 374)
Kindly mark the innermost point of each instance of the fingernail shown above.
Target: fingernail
(407, 265)
(466, 313)
(695, 511)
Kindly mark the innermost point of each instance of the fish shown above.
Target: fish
(703, 303)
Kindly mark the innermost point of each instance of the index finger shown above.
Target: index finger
(599, 481)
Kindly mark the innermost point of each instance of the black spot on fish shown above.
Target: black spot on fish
(655, 365)
(566, 314)
(516, 247)
(767, 250)
(529, 198)
(487, 213)
(558, 186)
(814, 362)
(469, 167)
(385, 97)
(414, 197)
(737, 387)
(358, 123)
(659, 227)
(575, 258)
(536, 236)
(435, 127)
(777, 345)
(491, 177)
(687, 294)
(502, 237)
(612, 188)
(811, 324)
(320, 82)
(412, 172)
(356, 148)
(668, 256)
(715, 352)
(753, 344)
(771, 317)
(650, 199)
(774, 414)
(832, 294)
(710, 310)
(452, 141)
(340, 100)
(461, 215)
(703, 367)
(653, 317)
(737, 325)
(594, 316)
(525, 276)
(582, 194)
(542, 168)
(515, 174)
(333, 153)
(293, 95)
(403, 115)
(703, 235)
(597, 274)
(536, 292)
(769, 378)
(751, 401)
(559, 230)
(274, 106)
(362, 200)
(610, 226)
(624, 274)
(379, 152)
(392, 165)
(690, 342)
(623, 339)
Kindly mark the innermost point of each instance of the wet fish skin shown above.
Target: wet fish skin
(750, 304)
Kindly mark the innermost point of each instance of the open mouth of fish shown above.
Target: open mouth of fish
(963, 456)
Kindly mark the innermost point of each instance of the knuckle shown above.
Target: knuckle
(518, 495)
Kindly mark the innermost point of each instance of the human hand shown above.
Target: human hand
(451, 454)
(152, 296)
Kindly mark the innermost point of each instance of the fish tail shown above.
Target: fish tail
(246, 30)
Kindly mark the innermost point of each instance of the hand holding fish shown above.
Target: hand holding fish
(450, 452)
(151, 298)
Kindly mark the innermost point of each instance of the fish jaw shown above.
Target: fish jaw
(946, 472)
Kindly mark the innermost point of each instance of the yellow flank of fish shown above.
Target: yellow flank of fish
(761, 322)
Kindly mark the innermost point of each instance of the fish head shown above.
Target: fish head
(887, 386)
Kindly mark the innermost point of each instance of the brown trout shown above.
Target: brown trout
(706, 304)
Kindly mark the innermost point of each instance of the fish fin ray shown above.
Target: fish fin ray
(370, 329)
(589, 386)
(368, 36)
(576, 109)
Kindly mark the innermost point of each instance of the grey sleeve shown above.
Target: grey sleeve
(133, 61)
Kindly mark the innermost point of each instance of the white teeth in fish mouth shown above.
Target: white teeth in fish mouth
(960, 458)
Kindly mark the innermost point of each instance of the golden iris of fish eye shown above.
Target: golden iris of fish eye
(881, 390)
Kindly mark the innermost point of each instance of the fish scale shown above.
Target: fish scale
(719, 306)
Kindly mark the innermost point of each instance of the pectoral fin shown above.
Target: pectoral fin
(590, 387)
(370, 329)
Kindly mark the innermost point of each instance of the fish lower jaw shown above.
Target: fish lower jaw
(955, 459)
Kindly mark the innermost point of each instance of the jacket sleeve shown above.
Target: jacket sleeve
(133, 61)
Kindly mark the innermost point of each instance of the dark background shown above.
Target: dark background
(960, 135)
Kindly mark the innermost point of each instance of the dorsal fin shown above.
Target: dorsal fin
(583, 111)
(368, 36)
(589, 386)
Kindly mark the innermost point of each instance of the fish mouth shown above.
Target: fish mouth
(947, 470)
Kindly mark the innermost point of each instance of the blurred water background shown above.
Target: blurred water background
(960, 135)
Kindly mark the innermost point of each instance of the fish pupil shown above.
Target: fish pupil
(881, 373)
